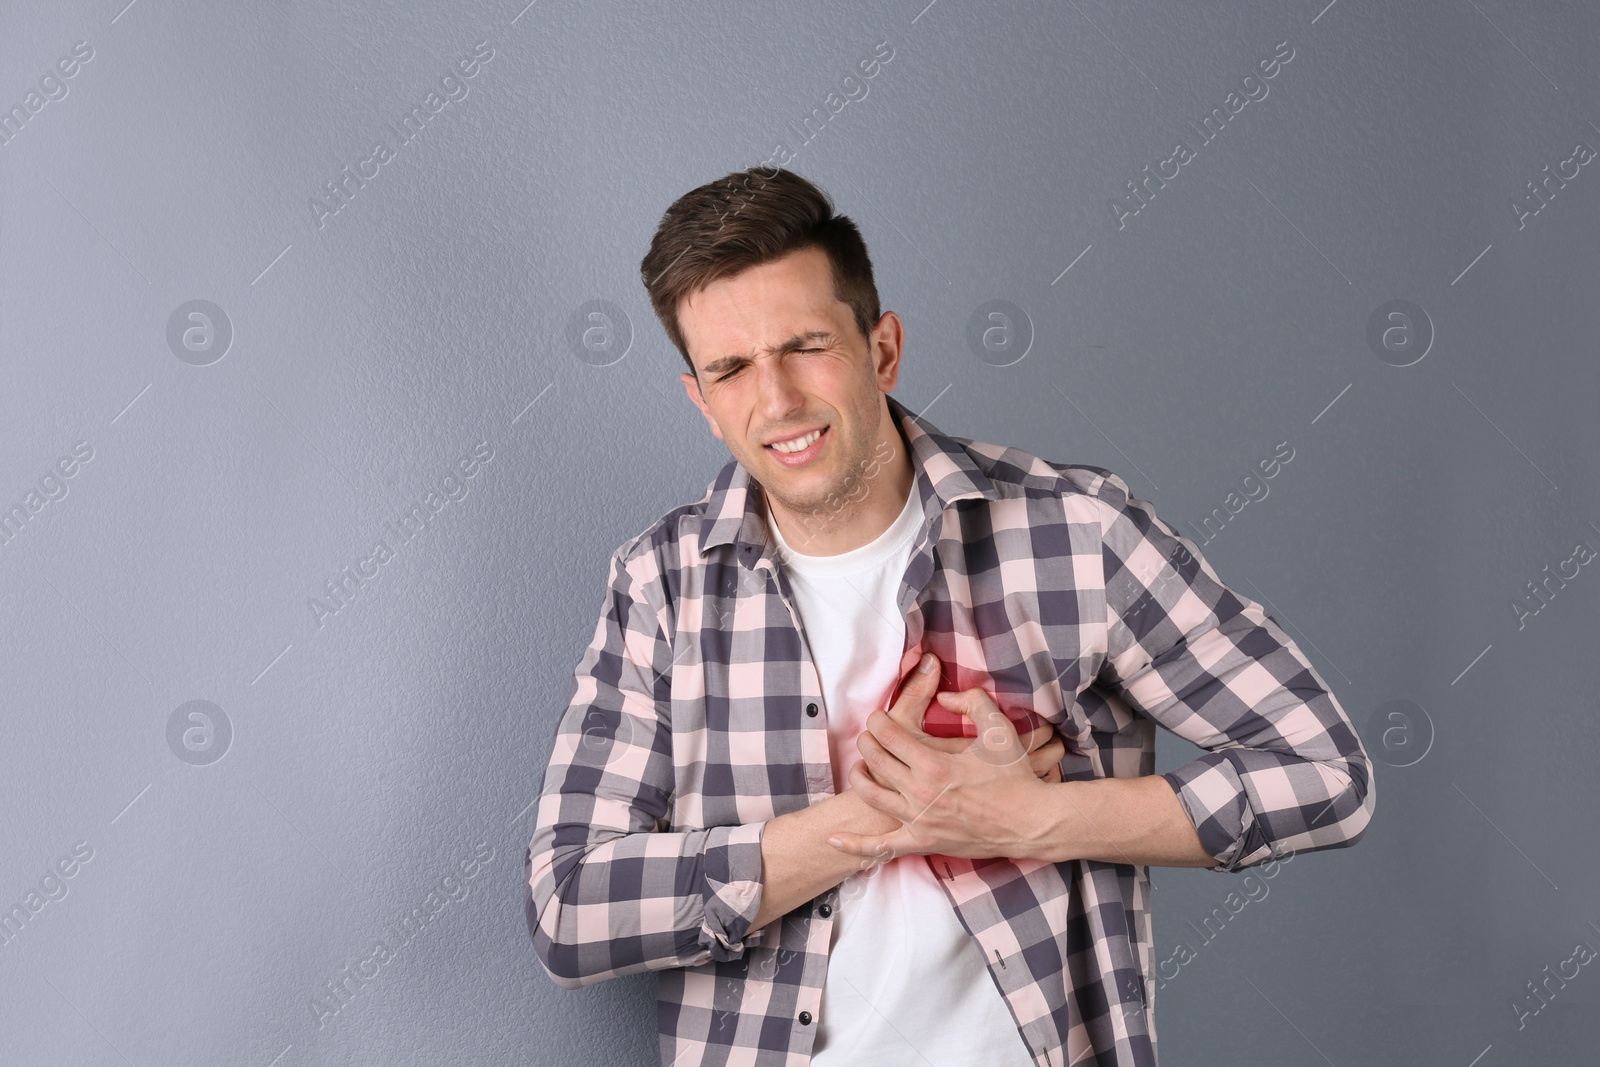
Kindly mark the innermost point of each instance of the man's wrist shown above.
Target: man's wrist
(1046, 825)
(1138, 820)
(861, 817)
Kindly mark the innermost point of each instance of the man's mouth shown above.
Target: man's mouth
(799, 450)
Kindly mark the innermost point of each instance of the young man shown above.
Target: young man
(817, 880)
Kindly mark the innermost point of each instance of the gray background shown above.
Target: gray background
(371, 753)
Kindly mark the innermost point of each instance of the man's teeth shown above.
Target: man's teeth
(799, 444)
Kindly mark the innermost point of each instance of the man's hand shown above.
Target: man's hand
(975, 803)
(1043, 744)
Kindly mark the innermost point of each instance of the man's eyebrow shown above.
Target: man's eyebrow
(802, 340)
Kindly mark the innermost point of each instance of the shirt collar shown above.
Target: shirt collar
(944, 470)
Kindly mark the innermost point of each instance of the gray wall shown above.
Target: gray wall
(349, 763)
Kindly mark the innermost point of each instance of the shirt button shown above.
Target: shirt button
(824, 910)
(811, 710)
(805, 1018)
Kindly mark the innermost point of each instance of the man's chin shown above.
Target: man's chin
(796, 497)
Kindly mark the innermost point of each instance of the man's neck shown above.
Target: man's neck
(830, 533)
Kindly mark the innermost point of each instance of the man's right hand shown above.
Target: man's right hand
(1045, 748)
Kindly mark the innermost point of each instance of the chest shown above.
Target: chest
(749, 711)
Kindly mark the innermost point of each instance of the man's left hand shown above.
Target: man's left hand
(977, 803)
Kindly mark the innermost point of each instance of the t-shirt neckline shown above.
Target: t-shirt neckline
(863, 558)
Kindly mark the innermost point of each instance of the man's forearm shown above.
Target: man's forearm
(797, 863)
(1118, 820)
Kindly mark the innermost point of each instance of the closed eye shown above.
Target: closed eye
(736, 370)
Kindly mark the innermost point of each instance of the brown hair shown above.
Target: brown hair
(748, 218)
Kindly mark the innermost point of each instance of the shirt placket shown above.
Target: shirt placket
(996, 940)
(807, 933)
(814, 721)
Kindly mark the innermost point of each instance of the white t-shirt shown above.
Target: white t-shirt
(906, 983)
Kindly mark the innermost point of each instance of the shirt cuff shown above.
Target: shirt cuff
(732, 888)
(1216, 800)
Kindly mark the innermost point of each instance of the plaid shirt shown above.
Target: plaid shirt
(697, 714)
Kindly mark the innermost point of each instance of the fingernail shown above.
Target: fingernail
(835, 842)
(926, 666)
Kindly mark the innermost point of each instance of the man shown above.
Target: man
(816, 880)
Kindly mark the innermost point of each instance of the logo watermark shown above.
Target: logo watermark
(341, 591)
(1540, 590)
(1254, 489)
(1402, 733)
(50, 487)
(53, 85)
(999, 333)
(1541, 992)
(336, 195)
(51, 888)
(199, 733)
(199, 332)
(599, 332)
(357, 974)
(1400, 333)
(851, 89)
(1142, 192)
(1542, 190)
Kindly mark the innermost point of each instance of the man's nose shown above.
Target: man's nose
(779, 392)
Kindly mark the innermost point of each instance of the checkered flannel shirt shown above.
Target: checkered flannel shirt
(697, 715)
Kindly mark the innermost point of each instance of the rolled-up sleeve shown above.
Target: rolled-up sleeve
(613, 892)
(1284, 769)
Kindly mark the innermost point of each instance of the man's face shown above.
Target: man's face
(779, 357)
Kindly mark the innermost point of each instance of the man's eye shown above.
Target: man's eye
(736, 370)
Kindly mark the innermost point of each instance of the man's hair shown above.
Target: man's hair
(745, 219)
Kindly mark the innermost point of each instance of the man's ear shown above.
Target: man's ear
(691, 385)
(884, 347)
